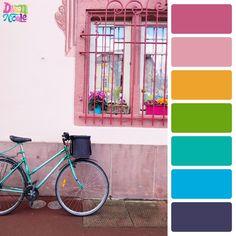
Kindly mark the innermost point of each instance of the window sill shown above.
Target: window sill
(124, 120)
(124, 116)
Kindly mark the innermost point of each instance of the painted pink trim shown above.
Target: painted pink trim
(60, 16)
(66, 20)
(194, 52)
(201, 19)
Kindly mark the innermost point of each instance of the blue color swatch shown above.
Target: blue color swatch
(201, 184)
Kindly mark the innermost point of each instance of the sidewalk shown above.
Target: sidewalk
(139, 218)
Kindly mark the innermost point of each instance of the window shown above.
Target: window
(154, 83)
(107, 64)
(125, 81)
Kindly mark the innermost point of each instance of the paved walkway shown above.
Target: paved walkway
(131, 218)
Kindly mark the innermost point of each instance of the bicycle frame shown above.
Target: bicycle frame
(29, 173)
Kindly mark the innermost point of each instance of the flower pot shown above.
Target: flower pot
(117, 109)
(156, 110)
(98, 109)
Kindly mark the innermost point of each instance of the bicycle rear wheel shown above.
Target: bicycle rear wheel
(12, 189)
(82, 201)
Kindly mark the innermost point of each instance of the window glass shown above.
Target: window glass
(108, 66)
(155, 63)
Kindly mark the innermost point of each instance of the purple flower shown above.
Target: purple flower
(97, 98)
(97, 95)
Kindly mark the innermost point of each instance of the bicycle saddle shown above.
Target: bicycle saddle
(19, 139)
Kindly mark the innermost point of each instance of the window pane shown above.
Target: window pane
(104, 78)
(110, 38)
(106, 69)
(160, 77)
(155, 64)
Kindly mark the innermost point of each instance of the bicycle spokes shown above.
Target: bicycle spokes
(85, 200)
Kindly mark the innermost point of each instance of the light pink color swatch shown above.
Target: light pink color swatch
(204, 52)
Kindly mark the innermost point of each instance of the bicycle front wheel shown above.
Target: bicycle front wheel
(12, 185)
(84, 199)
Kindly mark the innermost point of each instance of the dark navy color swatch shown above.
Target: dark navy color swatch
(201, 216)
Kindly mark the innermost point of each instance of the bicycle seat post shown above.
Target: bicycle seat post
(22, 152)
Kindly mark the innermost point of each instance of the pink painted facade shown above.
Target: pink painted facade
(134, 171)
(134, 159)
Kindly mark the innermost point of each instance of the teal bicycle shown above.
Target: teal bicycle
(81, 187)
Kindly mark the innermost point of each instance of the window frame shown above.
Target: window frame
(132, 119)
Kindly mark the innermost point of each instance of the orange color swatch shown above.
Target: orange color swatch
(201, 84)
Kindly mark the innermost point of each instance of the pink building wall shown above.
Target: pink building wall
(134, 171)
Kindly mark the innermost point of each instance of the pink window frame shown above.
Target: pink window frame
(75, 44)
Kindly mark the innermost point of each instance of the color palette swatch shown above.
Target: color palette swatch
(201, 117)
(201, 84)
(201, 151)
(201, 141)
(201, 216)
(204, 52)
(186, 20)
(201, 184)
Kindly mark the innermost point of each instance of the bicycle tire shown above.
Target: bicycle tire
(88, 200)
(9, 201)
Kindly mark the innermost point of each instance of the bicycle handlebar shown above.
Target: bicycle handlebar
(65, 137)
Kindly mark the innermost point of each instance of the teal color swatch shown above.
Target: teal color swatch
(201, 151)
(201, 184)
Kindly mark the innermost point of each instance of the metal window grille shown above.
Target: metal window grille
(125, 54)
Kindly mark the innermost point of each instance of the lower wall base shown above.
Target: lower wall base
(134, 171)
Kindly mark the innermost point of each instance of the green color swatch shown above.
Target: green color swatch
(201, 151)
(201, 118)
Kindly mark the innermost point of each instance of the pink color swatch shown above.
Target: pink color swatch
(194, 52)
(201, 19)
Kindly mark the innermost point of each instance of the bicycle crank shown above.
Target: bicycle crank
(31, 193)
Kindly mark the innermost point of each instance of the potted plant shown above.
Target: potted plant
(120, 106)
(97, 102)
(156, 107)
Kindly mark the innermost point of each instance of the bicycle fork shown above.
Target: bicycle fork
(72, 166)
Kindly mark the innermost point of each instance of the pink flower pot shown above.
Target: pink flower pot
(156, 110)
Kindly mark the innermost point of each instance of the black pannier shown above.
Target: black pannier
(80, 146)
